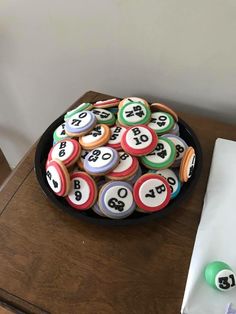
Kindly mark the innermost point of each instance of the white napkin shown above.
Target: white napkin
(216, 235)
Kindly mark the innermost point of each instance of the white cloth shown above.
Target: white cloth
(216, 235)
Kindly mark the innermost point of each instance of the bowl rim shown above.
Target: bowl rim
(144, 217)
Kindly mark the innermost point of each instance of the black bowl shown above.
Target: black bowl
(42, 150)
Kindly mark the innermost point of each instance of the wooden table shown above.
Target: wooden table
(53, 263)
(5, 170)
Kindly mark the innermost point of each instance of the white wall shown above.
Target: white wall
(52, 51)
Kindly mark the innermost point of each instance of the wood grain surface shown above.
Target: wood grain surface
(4, 310)
(5, 169)
(62, 265)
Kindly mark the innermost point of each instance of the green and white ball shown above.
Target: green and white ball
(220, 276)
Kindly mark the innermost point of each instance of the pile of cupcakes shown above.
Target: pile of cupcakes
(118, 156)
